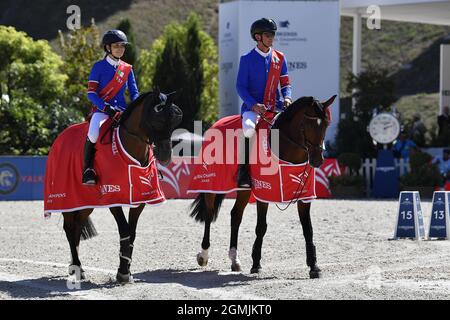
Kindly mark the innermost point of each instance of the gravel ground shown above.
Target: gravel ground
(357, 260)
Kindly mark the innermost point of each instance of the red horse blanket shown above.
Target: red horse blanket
(273, 180)
(122, 181)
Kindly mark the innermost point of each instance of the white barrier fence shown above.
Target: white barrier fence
(368, 169)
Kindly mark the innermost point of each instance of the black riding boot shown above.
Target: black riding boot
(89, 175)
(243, 176)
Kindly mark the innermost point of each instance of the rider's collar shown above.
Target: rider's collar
(264, 54)
(112, 62)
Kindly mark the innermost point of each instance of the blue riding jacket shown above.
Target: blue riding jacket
(252, 77)
(101, 74)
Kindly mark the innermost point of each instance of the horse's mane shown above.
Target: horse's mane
(290, 112)
(126, 114)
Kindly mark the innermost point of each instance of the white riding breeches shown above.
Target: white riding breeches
(249, 121)
(97, 120)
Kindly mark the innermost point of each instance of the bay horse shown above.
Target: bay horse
(302, 128)
(147, 122)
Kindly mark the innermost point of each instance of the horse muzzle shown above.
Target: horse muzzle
(163, 151)
(316, 158)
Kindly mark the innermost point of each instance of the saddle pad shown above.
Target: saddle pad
(121, 179)
(273, 180)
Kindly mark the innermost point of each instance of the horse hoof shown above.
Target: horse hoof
(315, 273)
(77, 271)
(256, 269)
(124, 278)
(236, 267)
(202, 262)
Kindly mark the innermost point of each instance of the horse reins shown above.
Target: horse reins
(299, 193)
(115, 123)
(306, 146)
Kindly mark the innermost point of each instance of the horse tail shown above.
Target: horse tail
(199, 209)
(88, 230)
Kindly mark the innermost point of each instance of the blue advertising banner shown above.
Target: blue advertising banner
(22, 178)
(385, 183)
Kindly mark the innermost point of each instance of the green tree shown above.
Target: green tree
(184, 59)
(372, 89)
(80, 50)
(130, 55)
(31, 90)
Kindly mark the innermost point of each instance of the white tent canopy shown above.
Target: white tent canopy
(417, 11)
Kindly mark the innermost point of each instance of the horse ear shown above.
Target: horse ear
(329, 102)
(169, 99)
(156, 90)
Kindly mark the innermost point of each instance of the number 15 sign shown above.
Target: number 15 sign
(410, 218)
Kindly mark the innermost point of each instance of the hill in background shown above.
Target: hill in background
(43, 19)
(409, 50)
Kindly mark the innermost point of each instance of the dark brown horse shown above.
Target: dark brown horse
(302, 130)
(148, 121)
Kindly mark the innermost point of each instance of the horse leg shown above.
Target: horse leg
(202, 256)
(73, 222)
(305, 220)
(236, 218)
(133, 218)
(123, 273)
(261, 228)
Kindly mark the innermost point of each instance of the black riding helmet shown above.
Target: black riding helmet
(262, 25)
(113, 36)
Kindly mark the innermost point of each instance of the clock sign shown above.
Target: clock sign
(384, 128)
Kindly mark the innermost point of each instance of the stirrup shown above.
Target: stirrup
(89, 177)
(244, 185)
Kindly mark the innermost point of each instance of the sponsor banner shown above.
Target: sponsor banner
(22, 178)
(179, 173)
(445, 76)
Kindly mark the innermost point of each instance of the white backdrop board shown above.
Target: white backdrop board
(445, 76)
(308, 35)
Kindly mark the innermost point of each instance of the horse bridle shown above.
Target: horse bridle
(157, 108)
(146, 141)
(307, 145)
